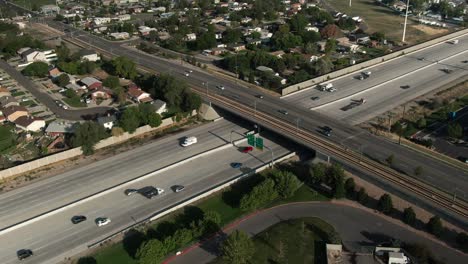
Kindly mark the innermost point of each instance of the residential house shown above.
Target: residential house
(400, 6)
(91, 83)
(145, 31)
(107, 121)
(75, 87)
(237, 47)
(101, 20)
(50, 10)
(160, 106)
(7, 101)
(190, 37)
(54, 73)
(136, 94)
(124, 17)
(119, 35)
(59, 128)
(344, 44)
(89, 55)
(4, 92)
(217, 51)
(29, 123)
(100, 93)
(14, 112)
(278, 54)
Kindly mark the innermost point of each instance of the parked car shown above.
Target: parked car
(24, 253)
(130, 191)
(102, 221)
(236, 165)
(78, 219)
(247, 149)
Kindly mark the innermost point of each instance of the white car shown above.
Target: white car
(65, 107)
(102, 221)
(160, 191)
(189, 141)
(220, 87)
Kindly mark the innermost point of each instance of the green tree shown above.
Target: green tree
(286, 183)
(323, 66)
(232, 36)
(409, 216)
(87, 67)
(148, 116)
(238, 248)
(362, 196)
(63, 79)
(123, 67)
(317, 173)
(86, 135)
(334, 237)
(130, 119)
(260, 195)
(455, 130)
(385, 204)
(119, 94)
(191, 101)
(330, 46)
(350, 187)
(111, 82)
(434, 226)
(151, 251)
(38, 69)
(422, 123)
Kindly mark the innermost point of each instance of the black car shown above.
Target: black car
(405, 87)
(284, 112)
(148, 192)
(178, 188)
(314, 98)
(78, 219)
(24, 253)
(130, 191)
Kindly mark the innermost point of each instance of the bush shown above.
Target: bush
(434, 226)
(409, 216)
(385, 204)
(362, 196)
(260, 195)
(286, 183)
(350, 186)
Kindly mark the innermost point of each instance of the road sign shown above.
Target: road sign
(251, 140)
(259, 143)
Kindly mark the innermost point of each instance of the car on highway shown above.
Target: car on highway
(102, 221)
(187, 74)
(24, 253)
(247, 149)
(360, 77)
(284, 112)
(326, 130)
(366, 73)
(189, 141)
(150, 191)
(448, 71)
(314, 98)
(236, 165)
(221, 87)
(130, 191)
(78, 219)
(465, 61)
(259, 96)
(405, 87)
(178, 188)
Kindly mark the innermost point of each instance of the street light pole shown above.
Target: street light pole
(406, 20)
(349, 3)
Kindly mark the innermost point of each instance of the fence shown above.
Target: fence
(372, 62)
(71, 153)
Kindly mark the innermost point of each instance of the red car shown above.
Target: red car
(247, 149)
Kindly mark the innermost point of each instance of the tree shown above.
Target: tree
(330, 46)
(191, 101)
(330, 31)
(362, 196)
(339, 187)
(378, 36)
(38, 69)
(123, 67)
(238, 248)
(323, 66)
(385, 204)
(151, 251)
(409, 216)
(286, 183)
(390, 159)
(148, 116)
(86, 135)
(130, 119)
(418, 170)
(261, 194)
(232, 36)
(434, 226)
(63, 80)
(317, 173)
(455, 130)
(86, 67)
(422, 123)
(334, 237)
(350, 187)
(111, 82)
(87, 260)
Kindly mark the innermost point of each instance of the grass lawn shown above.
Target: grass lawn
(383, 19)
(7, 138)
(27, 103)
(74, 102)
(17, 94)
(114, 254)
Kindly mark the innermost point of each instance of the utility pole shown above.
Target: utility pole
(406, 20)
(349, 3)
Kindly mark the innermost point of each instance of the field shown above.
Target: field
(7, 138)
(379, 18)
(31, 3)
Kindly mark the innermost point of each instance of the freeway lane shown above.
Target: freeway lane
(436, 173)
(34, 199)
(55, 237)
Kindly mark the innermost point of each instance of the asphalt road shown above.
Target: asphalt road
(35, 199)
(357, 228)
(435, 172)
(44, 98)
(54, 237)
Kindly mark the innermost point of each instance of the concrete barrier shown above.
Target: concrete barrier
(363, 65)
(75, 152)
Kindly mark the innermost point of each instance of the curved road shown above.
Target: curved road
(356, 226)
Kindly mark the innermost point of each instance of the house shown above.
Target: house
(4, 92)
(237, 47)
(75, 87)
(145, 31)
(160, 106)
(400, 6)
(54, 73)
(32, 55)
(91, 83)
(60, 128)
(190, 37)
(217, 51)
(343, 43)
(136, 94)
(107, 121)
(89, 55)
(29, 123)
(50, 10)
(278, 54)
(124, 17)
(119, 35)
(7, 101)
(101, 20)
(100, 93)
(14, 112)
(397, 258)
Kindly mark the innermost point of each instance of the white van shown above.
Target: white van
(325, 86)
(189, 141)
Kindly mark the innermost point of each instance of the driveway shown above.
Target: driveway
(44, 98)
(356, 226)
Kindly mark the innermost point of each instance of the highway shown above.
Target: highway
(54, 237)
(436, 172)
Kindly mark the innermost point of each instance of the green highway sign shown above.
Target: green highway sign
(251, 140)
(259, 143)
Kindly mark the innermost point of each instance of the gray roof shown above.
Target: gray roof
(89, 81)
(61, 127)
(158, 104)
(4, 100)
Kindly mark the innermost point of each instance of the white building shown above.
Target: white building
(30, 55)
(119, 35)
(101, 20)
(29, 123)
(190, 37)
(89, 55)
(397, 258)
(160, 106)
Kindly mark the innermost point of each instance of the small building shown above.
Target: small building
(50, 10)
(89, 55)
(91, 83)
(397, 258)
(29, 123)
(4, 92)
(54, 73)
(190, 37)
(119, 35)
(237, 47)
(58, 128)
(100, 93)
(101, 20)
(7, 101)
(136, 94)
(14, 112)
(31, 55)
(160, 106)
(107, 121)
(217, 51)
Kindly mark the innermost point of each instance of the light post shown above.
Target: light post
(258, 129)
(406, 20)
(349, 3)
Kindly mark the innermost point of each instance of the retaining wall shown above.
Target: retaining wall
(372, 62)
